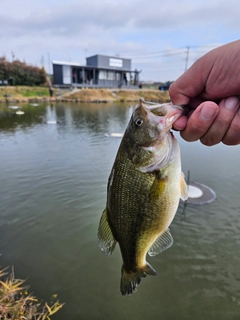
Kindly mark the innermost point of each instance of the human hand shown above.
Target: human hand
(209, 89)
(212, 123)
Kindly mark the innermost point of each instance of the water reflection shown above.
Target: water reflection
(93, 116)
(53, 190)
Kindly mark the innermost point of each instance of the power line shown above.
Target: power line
(159, 56)
(159, 53)
(184, 52)
(169, 51)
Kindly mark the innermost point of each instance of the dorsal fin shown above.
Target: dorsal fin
(141, 101)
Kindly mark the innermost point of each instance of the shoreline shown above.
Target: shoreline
(10, 95)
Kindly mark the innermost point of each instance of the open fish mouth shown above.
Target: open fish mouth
(175, 115)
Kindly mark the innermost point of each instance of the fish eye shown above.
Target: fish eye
(139, 122)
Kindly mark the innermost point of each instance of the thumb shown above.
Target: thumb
(200, 121)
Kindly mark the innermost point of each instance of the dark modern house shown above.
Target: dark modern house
(99, 72)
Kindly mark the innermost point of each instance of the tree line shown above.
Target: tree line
(19, 73)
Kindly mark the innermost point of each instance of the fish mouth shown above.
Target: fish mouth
(178, 109)
(174, 115)
(163, 115)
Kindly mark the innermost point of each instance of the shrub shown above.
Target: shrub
(19, 73)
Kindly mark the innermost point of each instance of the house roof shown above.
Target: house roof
(67, 63)
(75, 64)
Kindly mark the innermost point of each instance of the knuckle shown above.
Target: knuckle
(188, 137)
(232, 136)
(196, 129)
(221, 122)
(230, 142)
(209, 140)
(235, 127)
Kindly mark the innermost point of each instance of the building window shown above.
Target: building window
(102, 75)
(118, 76)
(106, 75)
(66, 75)
(110, 75)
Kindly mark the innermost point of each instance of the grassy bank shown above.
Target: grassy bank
(117, 95)
(11, 92)
(24, 94)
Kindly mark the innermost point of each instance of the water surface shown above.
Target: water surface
(53, 191)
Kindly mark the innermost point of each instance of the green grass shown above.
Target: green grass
(33, 91)
(24, 91)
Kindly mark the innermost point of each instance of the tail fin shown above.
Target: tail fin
(130, 280)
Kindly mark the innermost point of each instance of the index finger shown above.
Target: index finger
(200, 121)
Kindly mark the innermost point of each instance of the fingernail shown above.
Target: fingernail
(207, 112)
(231, 103)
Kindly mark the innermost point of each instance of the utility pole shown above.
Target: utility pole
(42, 61)
(187, 54)
(49, 65)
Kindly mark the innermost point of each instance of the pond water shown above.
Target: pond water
(52, 193)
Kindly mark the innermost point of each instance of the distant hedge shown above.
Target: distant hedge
(19, 73)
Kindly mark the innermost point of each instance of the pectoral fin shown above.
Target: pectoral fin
(163, 242)
(183, 188)
(106, 240)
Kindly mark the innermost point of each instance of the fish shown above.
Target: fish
(143, 192)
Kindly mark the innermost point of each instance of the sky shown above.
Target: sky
(162, 38)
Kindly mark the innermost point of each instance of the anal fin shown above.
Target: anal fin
(106, 240)
(163, 242)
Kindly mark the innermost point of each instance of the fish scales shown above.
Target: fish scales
(143, 192)
(125, 202)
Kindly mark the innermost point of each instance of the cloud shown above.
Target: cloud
(74, 17)
(76, 29)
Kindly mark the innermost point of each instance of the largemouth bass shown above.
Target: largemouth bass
(143, 192)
